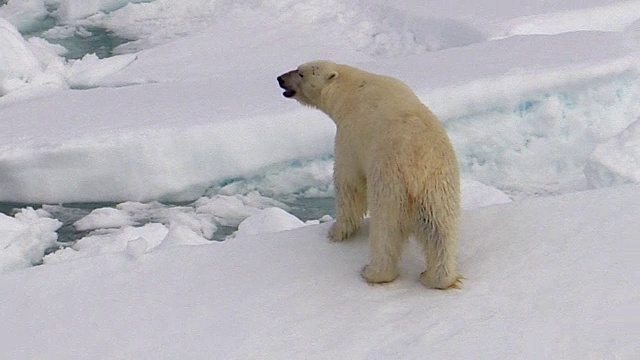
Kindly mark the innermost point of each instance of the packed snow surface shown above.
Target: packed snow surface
(544, 278)
(176, 134)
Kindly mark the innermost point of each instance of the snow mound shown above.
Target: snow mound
(475, 194)
(368, 27)
(23, 14)
(539, 141)
(183, 217)
(617, 161)
(182, 235)
(269, 220)
(18, 64)
(231, 210)
(25, 237)
(106, 241)
(29, 68)
(134, 241)
(78, 9)
(615, 16)
(103, 218)
(373, 29)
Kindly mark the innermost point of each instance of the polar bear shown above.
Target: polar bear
(392, 158)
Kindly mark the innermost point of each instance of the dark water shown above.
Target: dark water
(84, 39)
(79, 41)
(312, 208)
(90, 40)
(303, 208)
(70, 214)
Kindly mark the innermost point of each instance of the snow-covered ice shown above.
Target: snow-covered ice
(527, 124)
(269, 220)
(24, 238)
(545, 278)
(103, 218)
(184, 136)
(616, 161)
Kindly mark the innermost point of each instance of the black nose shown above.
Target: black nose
(280, 80)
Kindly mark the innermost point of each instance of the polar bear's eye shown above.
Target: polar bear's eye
(301, 75)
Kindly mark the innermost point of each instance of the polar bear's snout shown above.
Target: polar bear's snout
(285, 82)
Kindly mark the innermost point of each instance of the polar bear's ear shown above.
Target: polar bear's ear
(332, 75)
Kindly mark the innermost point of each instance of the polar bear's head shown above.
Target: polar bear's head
(306, 83)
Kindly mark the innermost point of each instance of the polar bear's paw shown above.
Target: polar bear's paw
(340, 232)
(442, 283)
(374, 276)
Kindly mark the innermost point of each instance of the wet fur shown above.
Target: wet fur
(392, 158)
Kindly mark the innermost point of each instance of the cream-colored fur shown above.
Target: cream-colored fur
(392, 157)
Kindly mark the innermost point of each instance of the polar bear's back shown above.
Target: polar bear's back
(362, 91)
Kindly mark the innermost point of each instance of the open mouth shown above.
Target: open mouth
(282, 82)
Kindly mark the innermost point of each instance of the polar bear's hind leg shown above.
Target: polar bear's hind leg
(439, 240)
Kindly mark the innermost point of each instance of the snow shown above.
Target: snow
(183, 138)
(25, 237)
(554, 100)
(476, 195)
(110, 241)
(269, 220)
(610, 17)
(77, 9)
(616, 161)
(545, 277)
(24, 14)
(230, 210)
(34, 67)
(103, 218)
(16, 61)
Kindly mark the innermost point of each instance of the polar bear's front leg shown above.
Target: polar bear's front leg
(385, 248)
(351, 206)
(387, 233)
